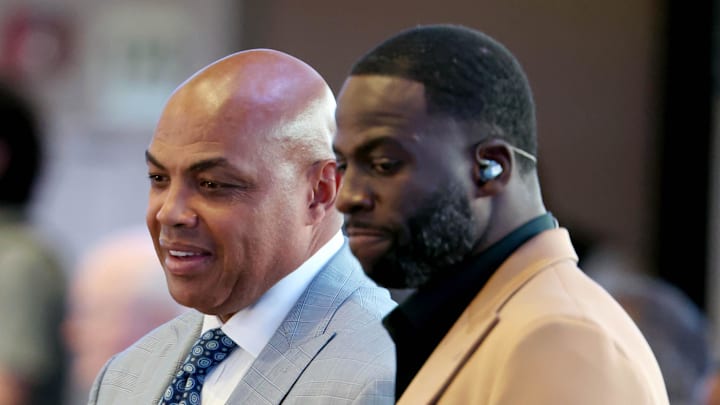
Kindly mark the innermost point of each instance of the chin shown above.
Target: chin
(369, 266)
(184, 297)
(386, 276)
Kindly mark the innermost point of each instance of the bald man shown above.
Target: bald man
(243, 183)
(118, 281)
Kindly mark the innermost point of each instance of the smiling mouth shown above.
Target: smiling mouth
(182, 253)
(186, 262)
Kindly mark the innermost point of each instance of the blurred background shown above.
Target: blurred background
(626, 96)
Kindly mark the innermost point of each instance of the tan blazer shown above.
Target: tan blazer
(541, 332)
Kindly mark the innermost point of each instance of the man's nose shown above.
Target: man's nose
(355, 194)
(176, 209)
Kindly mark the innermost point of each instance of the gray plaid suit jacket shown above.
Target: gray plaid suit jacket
(330, 349)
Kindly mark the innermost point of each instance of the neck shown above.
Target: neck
(323, 232)
(519, 203)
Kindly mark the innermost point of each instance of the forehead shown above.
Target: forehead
(394, 93)
(195, 130)
(380, 100)
(379, 109)
(374, 107)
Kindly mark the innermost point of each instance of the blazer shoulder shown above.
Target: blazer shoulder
(564, 318)
(364, 301)
(568, 360)
(170, 332)
(357, 362)
(139, 373)
(355, 294)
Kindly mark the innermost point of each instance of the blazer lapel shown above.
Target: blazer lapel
(170, 348)
(483, 313)
(300, 337)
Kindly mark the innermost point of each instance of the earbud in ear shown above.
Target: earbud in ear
(489, 169)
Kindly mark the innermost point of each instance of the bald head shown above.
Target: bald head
(264, 93)
(242, 174)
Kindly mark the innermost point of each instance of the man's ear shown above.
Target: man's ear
(325, 181)
(492, 167)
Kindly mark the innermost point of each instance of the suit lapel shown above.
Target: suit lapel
(483, 313)
(301, 336)
(170, 348)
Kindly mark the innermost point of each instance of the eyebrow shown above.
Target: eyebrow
(149, 158)
(371, 144)
(195, 167)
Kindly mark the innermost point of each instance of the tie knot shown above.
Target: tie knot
(212, 348)
(218, 336)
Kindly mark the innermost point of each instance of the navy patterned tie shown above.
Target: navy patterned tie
(212, 348)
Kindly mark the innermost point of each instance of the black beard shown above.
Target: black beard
(441, 235)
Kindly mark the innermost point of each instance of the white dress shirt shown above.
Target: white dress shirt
(252, 327)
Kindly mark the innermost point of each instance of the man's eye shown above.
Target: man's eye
(157, 178)
(209, 184)
(386, 166)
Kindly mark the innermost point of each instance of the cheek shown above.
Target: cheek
(278, 234)
(288, 210)
(402, 200)
(239, 244)
(151, 214)
(260, 238)
(266, 234)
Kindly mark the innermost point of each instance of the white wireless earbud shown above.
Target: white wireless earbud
(489, 170)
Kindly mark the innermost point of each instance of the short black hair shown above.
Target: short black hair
(467, 76)
(20, 135)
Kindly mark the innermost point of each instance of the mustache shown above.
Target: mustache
(362, 224)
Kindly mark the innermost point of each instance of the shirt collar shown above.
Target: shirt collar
(252, 327)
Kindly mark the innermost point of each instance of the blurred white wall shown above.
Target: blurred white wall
(120, 61)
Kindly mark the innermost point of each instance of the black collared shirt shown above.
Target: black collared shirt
(418, 324)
